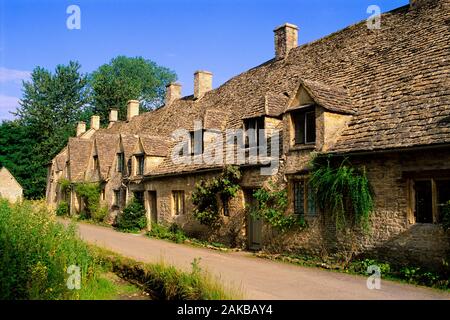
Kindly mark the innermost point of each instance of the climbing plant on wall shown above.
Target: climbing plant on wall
(272, 206)
(207, 193)
(342, 190)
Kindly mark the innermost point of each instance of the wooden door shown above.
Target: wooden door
(254, 224)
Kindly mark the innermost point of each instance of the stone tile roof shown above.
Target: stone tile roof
(332, 98)
(155, 145)
(79, 155)
(106, 150)
(395, 82)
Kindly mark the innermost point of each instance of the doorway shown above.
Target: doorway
(152, 207)
(254, 224)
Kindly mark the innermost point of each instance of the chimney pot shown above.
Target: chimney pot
(132, 109)
(173, 92)
(202, 83)
(286, 38)
(95, 122)
(81, 128)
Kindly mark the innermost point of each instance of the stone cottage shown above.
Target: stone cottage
(10, 189)
(380, 97)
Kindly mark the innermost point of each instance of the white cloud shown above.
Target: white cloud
(11, 75)
(8, 103)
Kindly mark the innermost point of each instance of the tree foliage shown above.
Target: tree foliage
(124, 79)
(53, 102)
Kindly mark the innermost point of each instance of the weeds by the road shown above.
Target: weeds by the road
(166, 282)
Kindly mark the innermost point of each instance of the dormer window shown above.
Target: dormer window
(120, 162)
(304, 123)
(140, 162)
(95, 162)
(196, 147)
(252, 127)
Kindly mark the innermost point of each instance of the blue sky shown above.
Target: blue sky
(225, 37)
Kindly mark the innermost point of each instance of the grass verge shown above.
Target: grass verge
(164, 282)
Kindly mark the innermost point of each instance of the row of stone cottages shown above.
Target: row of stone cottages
(378, 96)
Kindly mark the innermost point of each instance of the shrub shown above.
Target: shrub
(100, 214)
(62, 209)
(132, 218)
(35, 252)
(90, 193)
(172, 233)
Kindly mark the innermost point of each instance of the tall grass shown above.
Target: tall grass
(35, 252)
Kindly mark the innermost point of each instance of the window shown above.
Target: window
(304, 126)
(430, 197)
(103, 194)
(304, 200)
(178, 202)
(196, 147)
(140, 161)
(252, 127)
(129, 167)
(139, 196)
(120, 162)
(116, 200)
(95, 160)
(225, 208)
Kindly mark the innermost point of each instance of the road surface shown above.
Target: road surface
(256, 278)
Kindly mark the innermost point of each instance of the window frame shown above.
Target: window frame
(120, 156)
(178, 195)
(140, 166)
(117, 198)
(412, 203)
(299, 119)
(259, 124)
(306, 198)
(95, 162)
(192, 147)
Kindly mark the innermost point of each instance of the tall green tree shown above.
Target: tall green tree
(51, 105)
(125, 78)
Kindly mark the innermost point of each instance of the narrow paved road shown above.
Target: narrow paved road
(257, 278)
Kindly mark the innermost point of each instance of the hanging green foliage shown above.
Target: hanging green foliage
(342, 190)
(272, 207)
(64, 184)
(207, 192)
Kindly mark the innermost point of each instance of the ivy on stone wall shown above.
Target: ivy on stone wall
(272, 206)
(207, 193)
(343, 191)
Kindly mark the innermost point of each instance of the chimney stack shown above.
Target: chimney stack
(173, 92)
(132, 109)
(113, 115)
(286, 38)
(95, 122)
(81, 128)
(202, 83)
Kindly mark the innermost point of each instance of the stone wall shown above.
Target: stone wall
(9, 188)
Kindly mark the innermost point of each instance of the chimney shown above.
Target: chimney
(286, 38)
(173, 92)
(202, 83)
(113, 115)
(81, 128)
(416, 4)
(95, 122)
(132, 109)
